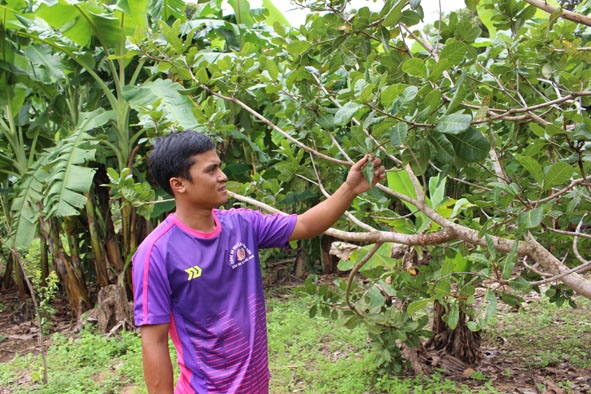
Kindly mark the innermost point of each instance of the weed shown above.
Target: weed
(478, 376)
(90, 363)
(308, 355)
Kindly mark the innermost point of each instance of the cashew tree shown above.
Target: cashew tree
(480, 118)
(484, 130)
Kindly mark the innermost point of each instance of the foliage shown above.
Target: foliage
(95, 363)
(315, 355)
(91, 363)
(558, 332)
(483, 128)
(45, 293)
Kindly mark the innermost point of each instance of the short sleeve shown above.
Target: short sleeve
(273, 230)
(151, 288)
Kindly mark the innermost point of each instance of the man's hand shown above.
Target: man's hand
(357, 181)
(323, 215)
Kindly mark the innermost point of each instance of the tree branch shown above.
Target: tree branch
(275, 127)
(566, 14)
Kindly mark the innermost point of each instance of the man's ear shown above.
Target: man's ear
(177, 185)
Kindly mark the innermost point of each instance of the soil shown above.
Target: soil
(19, 332)
(503, 362)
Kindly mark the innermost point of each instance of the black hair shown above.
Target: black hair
(173, 155)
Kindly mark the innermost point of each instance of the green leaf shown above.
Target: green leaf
(533, 167)
(433, 99)
(409, 94)
(391, 93)
(454, 52)
(167, 9)
(419, 305)
(242, 12)
(459, 95)
(444, 149)
(410, 18)
(437, 191)
(511, 189)
(68, 180)
(346, 113)
(467, 32)
(275, 15)
(398, 134)
(400, 181)
(297, 47)
(165, 93)
(453, 316)
(443, 288)
(531, 218)
(381, 258)
(415, 67)
(454, 124)
(491, 308)
(537, 130)
(384, 36)
(557, 174)
(25, 211)
(393, 15)
(509, 262)
(490, 244)
(48, 66)
(368, 172)
(470, 146)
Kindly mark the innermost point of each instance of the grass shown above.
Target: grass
(546, 335)
(307, 355)
(315, 355)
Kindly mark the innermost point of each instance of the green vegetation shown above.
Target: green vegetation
(562, 335)
(315, 355)
(481, 121)
(86, 363)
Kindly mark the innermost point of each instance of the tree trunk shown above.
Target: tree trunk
(43, 259)
(71, 225)
(113, 310)
(7, 279)
(18, 275)
(112, 248)
(453, 351)
(459, 342)
(76, 289)
(300, 264)
(96, 242)
(329, 261)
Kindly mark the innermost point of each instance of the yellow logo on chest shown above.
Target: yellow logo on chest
(194, 272)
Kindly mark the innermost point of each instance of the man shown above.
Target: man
(197, 276)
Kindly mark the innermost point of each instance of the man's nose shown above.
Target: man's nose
(222, 177)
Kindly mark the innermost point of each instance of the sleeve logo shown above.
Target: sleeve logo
(194, 272)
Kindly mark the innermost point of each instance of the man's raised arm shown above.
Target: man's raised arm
(320, 217)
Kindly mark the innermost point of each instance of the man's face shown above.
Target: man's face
(207, 189)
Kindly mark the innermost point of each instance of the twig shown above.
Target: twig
(326, 194)
(352, 274)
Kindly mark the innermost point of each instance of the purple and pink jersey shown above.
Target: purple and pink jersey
(208, 287)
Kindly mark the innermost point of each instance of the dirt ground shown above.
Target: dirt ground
(503, 362)
(19, 333)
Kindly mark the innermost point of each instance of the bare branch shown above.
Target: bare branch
(568, 15)
(352, 274)
(585, 262)
(275, 127)
(552, 265)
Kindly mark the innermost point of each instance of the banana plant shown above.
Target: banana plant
(74, 55)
